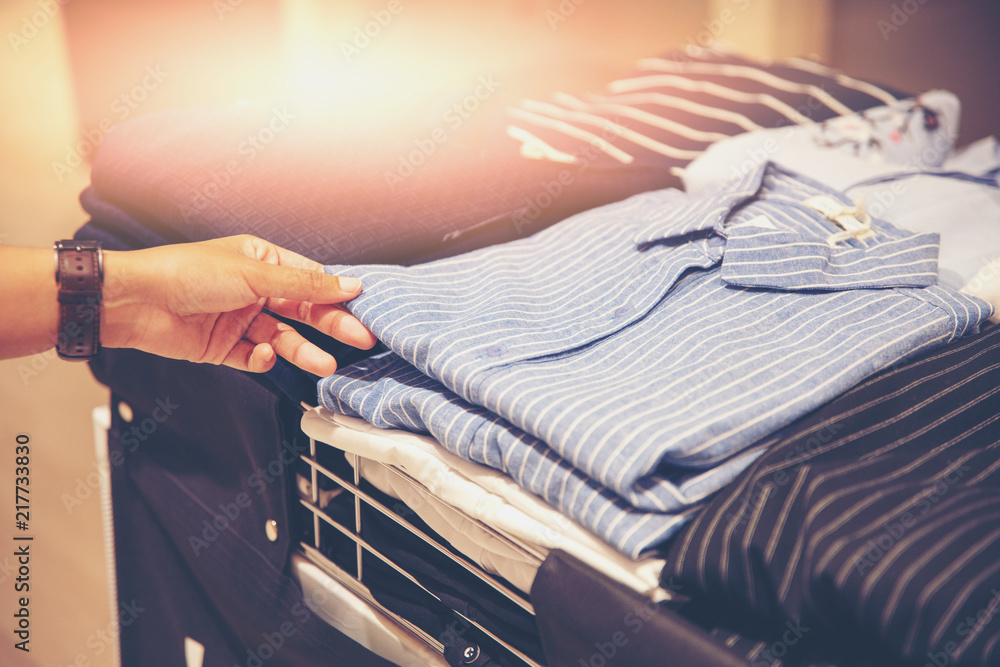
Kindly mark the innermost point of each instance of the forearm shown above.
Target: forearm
(31, 300)
(31, 304)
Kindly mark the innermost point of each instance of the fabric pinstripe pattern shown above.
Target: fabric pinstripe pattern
(877, 517)
(391, 393)
(624, 344)
(670, 109)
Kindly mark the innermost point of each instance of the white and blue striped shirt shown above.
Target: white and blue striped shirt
(615, 363)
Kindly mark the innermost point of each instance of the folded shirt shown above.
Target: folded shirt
(670, 108)
(917, 133)
(875, 523)
(484, 546)
(978, 157)
(897, 163)
(647, 338)
(963, 208)
(454, 491)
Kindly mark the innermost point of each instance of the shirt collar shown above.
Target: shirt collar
(707, 212)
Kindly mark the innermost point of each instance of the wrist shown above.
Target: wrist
(122, 298)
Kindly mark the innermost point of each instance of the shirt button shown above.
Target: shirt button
(470, 654)
(125, 411)
(495, 350)
(621, 311)
(716, 241)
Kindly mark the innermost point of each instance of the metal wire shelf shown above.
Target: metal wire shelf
(314, 550)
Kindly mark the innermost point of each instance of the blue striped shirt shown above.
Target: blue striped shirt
(644, 344)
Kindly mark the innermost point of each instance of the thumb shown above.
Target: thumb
(285, 282)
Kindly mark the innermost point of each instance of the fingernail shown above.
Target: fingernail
(350, 284)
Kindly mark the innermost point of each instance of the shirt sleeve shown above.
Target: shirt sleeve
(775, 259)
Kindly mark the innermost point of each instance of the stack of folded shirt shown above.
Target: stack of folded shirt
(630, 361)
(495, 406)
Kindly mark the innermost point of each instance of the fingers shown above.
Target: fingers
(329, 319)
(281, 273)
(296, 288)
(246, 356)
(289, 344)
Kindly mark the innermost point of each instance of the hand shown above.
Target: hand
(204, 302)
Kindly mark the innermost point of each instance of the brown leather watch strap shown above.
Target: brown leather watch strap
(80, 275)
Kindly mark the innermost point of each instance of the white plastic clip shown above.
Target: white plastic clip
(855, 220)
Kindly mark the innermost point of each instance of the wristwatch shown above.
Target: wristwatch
(80, 276)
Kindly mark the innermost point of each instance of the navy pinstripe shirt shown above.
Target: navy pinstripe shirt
(875, 518)
(647, 338)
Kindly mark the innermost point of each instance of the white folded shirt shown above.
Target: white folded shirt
(491, 500)
(486, 547)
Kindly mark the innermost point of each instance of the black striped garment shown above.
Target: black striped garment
(671, 108)
(872, 526)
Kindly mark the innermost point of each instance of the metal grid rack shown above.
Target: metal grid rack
(326, 528)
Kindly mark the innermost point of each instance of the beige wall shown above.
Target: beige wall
(45, 398)
(774, 28)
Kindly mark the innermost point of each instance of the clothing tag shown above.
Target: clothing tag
(853, 219)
